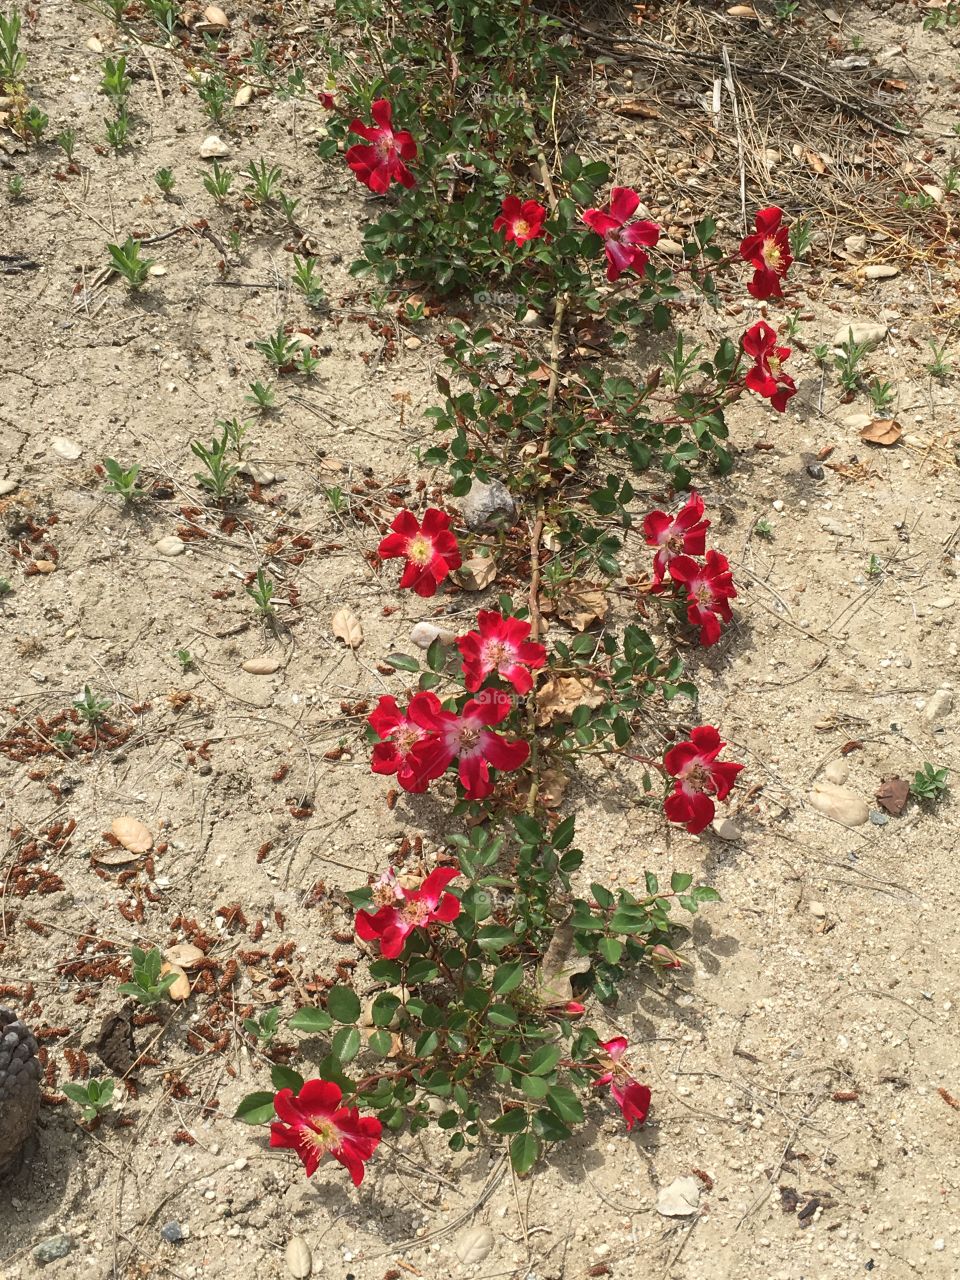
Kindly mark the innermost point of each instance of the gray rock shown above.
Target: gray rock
(867, 332)
(424, 634)
(51, 1249)
(172, 1232)
(878, 819)
(726, 829)
(679, 1199)
(489, 506)
(815, 471)
(939, 704)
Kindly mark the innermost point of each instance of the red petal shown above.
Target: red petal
(623, 204)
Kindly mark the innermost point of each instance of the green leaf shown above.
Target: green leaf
(680, 881)
(346, 1044)
(507, 978)
(501, 1015)
(535, 1087)
(421, 970)
(546, 1125)
(524, 1152)
(494, 937)
(310, 1020)
(402, 662)
(565, 1104)
(544, 1060)
(282, 1077)
(611, 949)
(514, 1121)
(602, 896)
(380, 1042)
(384, 1008)
(343, 1004)
(426, 1044)
(255, 1108)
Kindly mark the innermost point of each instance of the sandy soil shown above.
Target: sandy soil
(804, 1065)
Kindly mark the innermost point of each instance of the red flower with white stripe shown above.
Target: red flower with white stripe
(768, 250)
(499, 646)
(631, 1097)
(684, 533)
(699, 776)
(313, 1123)
(394, 753)
(520, 222)
(430, 549)
(468, 739)
(622, 239)
(407, 909)
(382, 162)
(766, 377)
(709, 589)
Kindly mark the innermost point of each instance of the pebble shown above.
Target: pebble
(532, 319)
(939, 704)
(867, 332)
(171, 546)
(882, 271)
(213, 148)
(173, 1233)
(943, 602)
(857, 421)
(726, 829)
(8, 486)
(264, 666)
(45, 566)
(298, 1257)
(679, 1199)
(489, 506)
(51, 1249)
(778, 504)
(815, 471)
(258, 474)
(424, 634)
(670, 246)
(473, 1245)
(413, 343)
(64, 448)
(856, 244)
(837, 772)
(244, 96)
(839, 803)
(818, 909)
(878, 819)
(838, 531)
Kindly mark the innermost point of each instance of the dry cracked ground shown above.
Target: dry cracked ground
(805, 1064)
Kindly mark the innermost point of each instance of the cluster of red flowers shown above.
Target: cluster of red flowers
(699, 775)
(400, 911)
(420, 743)
(708, 586)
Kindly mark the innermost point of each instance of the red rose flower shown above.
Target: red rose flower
(709, 587)
(313, 1124)
(430, 548)
(672, 535)
(769, 253)
(520, 222)
(766, 377)
(499, 646)
(621, 238)
(468, 739)
(408, 909)
(399, 735)
(699, 775)
(632, 1098)
(383, 161)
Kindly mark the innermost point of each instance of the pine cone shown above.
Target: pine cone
(19, 1089)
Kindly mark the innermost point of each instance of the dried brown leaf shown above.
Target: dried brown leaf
(581, 603)
(345, 625)
(559, 696)
(638, 109)
(477, 573)
(132, 834)
(883, 431)
(892, 795)
(559, 964)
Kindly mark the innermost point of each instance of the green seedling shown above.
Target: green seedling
(220, 474)
(35, 122)
(264, 1028)
(115, 83)
(334, 495)
(306, 279)
(763, 530)
(185, 658)
(951, 180)
(218, 182)
(262, 181)
(128, 262)
(261, 591)
(881, 395)
(122, 481)
(847, 363)
(259, 58)
(680, 365)
(939, 366)
(874, 567)
(118, 130)
(801, 238)
(165, 180)
(116, 9)
(15, 187)
(90, 708)
(821, 353)
(6, 588)
(791, 326)
(263, 396)
(215, 94)
(236, 431)
(66, 140)
(786, 10)
(929, 783)
(288, 206)
(279, 349)
(147, 985)
(308, 363)
(164, 14)
(13, 63)
(93, 1098)
(233, 239)
(64, 740)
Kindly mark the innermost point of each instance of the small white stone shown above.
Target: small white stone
(64, 448)
(171, 546)
(213, 148)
